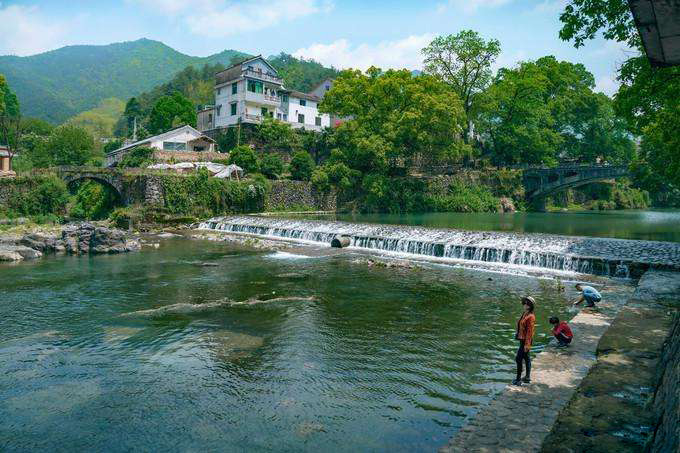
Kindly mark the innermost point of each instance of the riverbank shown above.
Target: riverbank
(606, 392)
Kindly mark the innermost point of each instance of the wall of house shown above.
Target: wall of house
(310, 111)
(224, 98)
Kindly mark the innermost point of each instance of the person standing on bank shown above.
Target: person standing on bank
(525, 335)
(589, 294)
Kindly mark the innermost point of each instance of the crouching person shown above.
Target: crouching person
(561, 331)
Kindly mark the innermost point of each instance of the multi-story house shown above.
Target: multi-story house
(252, 90)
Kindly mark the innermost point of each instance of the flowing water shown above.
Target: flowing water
(651, 225)
(206, 346)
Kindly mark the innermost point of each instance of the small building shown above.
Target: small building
(252, 90)
(6, 162)
(182, 143)
(320, 91)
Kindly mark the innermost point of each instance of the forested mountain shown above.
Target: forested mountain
(59, 84)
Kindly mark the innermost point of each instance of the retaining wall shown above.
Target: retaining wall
(298, 195)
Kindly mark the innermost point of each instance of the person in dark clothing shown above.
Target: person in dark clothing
(561, 331)
(525, 335)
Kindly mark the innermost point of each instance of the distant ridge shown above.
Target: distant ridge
(61, 83)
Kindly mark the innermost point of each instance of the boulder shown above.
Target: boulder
(86, 238)
(18, 253)
(40, 242)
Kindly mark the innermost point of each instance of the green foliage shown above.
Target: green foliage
(35, 195)
(464, 198)
(137, 158)
(123, 217)
(275, 134)
(301, 166)
(463, 61)
(93, 201)
(70, 145)
(393, 195)
(112, 145)
(171, 111)
(203, 196)
(52, 85)
(320, 180)
(271, 166)
(583, 19)
(244, 157)
(100, 121)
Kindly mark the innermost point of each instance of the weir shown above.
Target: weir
(597, 256)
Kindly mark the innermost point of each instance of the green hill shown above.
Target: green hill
(59, 84)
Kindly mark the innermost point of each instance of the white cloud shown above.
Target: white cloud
(607, 84)
(471, 6)
(26, 32)
(220, 18)
(403, 53)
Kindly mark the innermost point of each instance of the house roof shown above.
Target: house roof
(658, 22)
(301, 95)
(234, 71)
(167, 134)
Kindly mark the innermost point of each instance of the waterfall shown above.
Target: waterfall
(599, 256)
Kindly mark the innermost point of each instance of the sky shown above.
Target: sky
(342, 33)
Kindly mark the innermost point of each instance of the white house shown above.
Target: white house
(251, 90)
(6, 162)
(184, 142)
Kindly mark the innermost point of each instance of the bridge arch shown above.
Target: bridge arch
(110, 181)
(543, 182)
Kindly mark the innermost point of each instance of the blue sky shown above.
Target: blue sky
(347, 33)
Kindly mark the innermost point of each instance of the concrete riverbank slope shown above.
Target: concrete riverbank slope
(613, 390)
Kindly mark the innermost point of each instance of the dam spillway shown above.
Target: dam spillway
(587, 255)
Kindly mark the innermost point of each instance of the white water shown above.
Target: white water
(611, 257)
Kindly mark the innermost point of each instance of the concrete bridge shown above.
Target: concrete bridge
(541, 182)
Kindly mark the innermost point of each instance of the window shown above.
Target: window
(317, 121)
(234, 87)
(278, 116)
(255, 87)
(219, 110)
(210, 118)
(303, 102)
(328, 87)
(174, 146)
(301, 118)
(219, 91)
(199, 148)
(285, 117)
(233, 108)
(284, 98)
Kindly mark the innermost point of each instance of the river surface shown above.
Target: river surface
(658, 225)
(206, 346)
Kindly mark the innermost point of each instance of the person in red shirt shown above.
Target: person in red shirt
(525, 335)
(561, 331)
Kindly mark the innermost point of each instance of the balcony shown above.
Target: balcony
(262, 76)
(262, 99)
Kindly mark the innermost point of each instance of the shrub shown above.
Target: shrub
(301, 166)
(93, 201)
(41, 195)
(138, 157)
(271, 166)
(320, 180)
(245, 158)
(462, 198)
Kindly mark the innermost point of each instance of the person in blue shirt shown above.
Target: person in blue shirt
(589, 294)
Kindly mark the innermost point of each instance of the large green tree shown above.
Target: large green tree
(10, 118)
(171, 111)
(648, 98)
(71, 145)
(410, 117)
(463, 61)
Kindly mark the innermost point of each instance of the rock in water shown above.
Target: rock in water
(18, 253)
(40, 242)
(86, 238)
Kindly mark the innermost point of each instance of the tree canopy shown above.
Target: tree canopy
(171, 111)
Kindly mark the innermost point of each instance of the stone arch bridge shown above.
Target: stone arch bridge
(131, 185)
(542, 182)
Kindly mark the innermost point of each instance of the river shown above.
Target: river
(208, 346)
(651, 225)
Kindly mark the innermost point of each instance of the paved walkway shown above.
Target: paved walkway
(520, 418)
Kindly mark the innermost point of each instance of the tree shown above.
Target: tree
(517, 124)
(71, 145)
(244, 157)
(463, 61)
(301, 166)
(169, 110)
(389, 106)
(271, 166)
(140, 156)
(583, 19)
(276, 134)
(10, 118)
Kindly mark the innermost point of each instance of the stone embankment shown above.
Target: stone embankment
(615, 389)
(77, 239)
